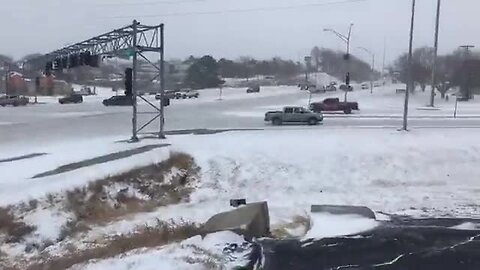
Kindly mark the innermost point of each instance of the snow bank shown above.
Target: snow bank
(327, 225)
(193, 253)
(18, 175)
(422, 173)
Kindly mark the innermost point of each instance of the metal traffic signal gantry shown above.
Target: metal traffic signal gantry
(133, 40)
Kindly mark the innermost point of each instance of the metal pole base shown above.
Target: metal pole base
(134, 139)
(161, 136)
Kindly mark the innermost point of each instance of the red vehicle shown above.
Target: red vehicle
(333, 105)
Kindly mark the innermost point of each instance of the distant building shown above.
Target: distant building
(49, 86)
(16, 84)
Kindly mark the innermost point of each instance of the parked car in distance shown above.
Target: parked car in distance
(85, 91)
(332, 105)
(187, 94)
(293, 115)
(253, 89)
(72, 98)
(13, 100)
(317, 90)
(330, 88)
(118, 101)
(462, 98)
(365, 86)
(346, 88)
(377, 84)
(170, 94)
(307, 86)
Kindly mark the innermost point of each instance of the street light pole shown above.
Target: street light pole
(435, 56)
(373, 66)
(466, 71)
(410, 71)
(346, 39)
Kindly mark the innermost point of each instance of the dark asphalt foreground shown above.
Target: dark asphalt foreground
(403, 244)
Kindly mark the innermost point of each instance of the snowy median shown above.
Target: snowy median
(423, 173)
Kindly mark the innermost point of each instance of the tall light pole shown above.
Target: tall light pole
(373, 66)
(346, 39)
(308, 65)
(435, 55)
(409, 71)
(466, 71)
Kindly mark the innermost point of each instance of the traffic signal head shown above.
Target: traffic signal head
(166, 102)
(128, 81)
(48, 68)
(347, 78)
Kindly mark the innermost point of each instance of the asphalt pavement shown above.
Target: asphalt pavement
(52, 122)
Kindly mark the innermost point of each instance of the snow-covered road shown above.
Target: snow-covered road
(51, 122)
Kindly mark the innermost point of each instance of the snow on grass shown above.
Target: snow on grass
(18, 175)
(328, 225)
(48, 223)
(423, 173)
(193, 253)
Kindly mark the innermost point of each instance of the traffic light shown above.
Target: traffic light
(65, 62)
(73, 61)
(166, 102)
(347, 78)
(37, 83)
(93, 61)
(128, 81)
(48, 68)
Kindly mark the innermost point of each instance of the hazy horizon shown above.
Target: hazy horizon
(226, 28)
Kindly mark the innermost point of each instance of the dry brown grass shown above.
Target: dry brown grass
(14, 229)
(90, 203)
(298, 221)
(147, 238)
(97, 203)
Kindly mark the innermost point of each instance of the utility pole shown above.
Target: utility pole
(410, 71)
(308, 63)
(134, 81)
(7, 77)
(373, 66)
(384, 58)
(435, 56)
(346, 39)
(161, 135)
(466, 71)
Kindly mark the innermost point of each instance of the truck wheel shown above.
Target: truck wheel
(15, 104)
(348, 111)
(277, 122)
(313, 121)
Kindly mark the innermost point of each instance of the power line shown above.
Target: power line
(178, 14)
(166, 2)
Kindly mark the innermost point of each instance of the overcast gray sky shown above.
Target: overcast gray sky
(266, 30)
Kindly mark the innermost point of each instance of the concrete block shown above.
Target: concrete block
(251, 220)
(344, 210)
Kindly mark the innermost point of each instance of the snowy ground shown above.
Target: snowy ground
(420, 173)
(423, 173)
(382, 103)
(17, 175)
